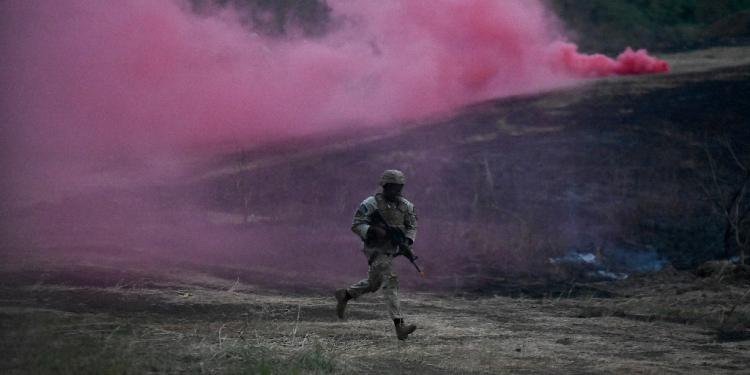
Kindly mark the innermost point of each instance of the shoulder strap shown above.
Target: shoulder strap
(382, 206)
(379, 199)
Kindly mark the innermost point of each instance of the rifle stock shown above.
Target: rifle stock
(397, 237)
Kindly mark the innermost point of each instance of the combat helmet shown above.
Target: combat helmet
(392, 176)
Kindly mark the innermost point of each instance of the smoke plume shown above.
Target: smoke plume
(143, 72)
(115, 93)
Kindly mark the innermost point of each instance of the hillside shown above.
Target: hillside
(616, 166)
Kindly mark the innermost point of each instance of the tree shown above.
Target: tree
(728, 191)
(276, 17)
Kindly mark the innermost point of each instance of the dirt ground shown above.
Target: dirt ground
(64, 316)
(86, 320)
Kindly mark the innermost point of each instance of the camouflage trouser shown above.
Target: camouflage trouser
(380, 275)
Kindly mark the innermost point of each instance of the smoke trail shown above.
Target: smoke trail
(628, 63)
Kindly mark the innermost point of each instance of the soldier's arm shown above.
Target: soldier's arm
(361, 221)
(410, 223)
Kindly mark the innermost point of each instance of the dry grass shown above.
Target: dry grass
(91, 330)
(651, 325)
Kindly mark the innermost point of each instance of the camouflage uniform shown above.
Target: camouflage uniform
(380, 253)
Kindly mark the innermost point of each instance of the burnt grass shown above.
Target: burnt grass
(614, 167)
(619, 166)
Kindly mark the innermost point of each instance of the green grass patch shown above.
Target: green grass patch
(52, 343)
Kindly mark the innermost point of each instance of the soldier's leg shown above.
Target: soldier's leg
(373, 281)
(369, 285)
(390, 289)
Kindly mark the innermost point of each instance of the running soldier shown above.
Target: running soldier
(379, 250)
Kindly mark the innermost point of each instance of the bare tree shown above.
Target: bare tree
(729, 195)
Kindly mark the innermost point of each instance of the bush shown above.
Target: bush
(654, 24)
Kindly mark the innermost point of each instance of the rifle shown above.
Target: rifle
(397, 237)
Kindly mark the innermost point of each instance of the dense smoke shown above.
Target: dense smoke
(120, 93)
(118, 74)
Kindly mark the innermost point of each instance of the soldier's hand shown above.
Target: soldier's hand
(376, 232)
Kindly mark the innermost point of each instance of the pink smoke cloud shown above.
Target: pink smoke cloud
(140, 72)
(120, 92)
(627, 63)
(92, 86)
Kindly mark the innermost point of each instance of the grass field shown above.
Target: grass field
(661, 323)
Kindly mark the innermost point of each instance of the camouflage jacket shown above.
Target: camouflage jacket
(399, 214)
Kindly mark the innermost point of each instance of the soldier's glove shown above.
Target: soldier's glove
(376, 232)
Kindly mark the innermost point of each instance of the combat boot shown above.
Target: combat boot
(342, 296)
(403, 330)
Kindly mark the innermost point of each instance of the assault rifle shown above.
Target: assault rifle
(397, 237)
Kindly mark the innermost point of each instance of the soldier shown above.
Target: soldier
(379, 250)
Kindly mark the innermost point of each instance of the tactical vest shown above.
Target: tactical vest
(393, 212)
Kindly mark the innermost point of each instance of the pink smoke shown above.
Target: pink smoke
(116, 92)
(118, 73)
(628, 63)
